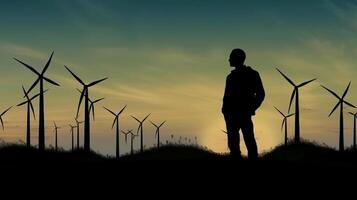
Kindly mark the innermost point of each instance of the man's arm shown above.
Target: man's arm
(227, 92)
(259, 92)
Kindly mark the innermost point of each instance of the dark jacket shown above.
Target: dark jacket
(244, 92)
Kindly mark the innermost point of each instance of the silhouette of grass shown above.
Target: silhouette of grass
(306, 153)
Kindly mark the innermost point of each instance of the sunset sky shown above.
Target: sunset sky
(170, 58)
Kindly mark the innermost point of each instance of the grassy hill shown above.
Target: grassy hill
(304, 153)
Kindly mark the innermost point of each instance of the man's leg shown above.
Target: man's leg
(248, 134)
(233, 136)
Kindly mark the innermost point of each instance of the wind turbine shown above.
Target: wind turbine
(72, 132)
(56, 134)
(141, 129)
(1, 115)
(157, 133)
(285, 122)
(78, 127)
(354, 129)
(116, 122)
(85, 94)
(41, 78)
(92, 103)
(30, 109)
(340, 103)
(126, 136)
(132, 137)
(297, 108)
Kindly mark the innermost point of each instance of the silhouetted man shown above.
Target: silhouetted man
(243, 95)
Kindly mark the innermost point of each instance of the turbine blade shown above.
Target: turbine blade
(332, 92)
(290, 81)
(349, 104)
(96, 82)
(75, 76)
(6, 111)
(153, 124)
(146, 118)
(50, 81)
(98, 100)
(307, 82)
(122, 110)
(110, 111)
(93, 112)
(34, 84)
(162, 124)
(32, 110)
(290, 115)
(47, 64)
(28, 66)
(21, 104)
(34, 97)
(80, 102)
(25, 93)
(291, 99)
(279, 111)
(2, 123)
(115, 120)
(136, 119)
(282, 125)
(345, 93)
(333, 110)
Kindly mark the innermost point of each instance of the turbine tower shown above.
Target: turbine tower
(341, 102)
(297, 108)
(85, 94)
(41, 78)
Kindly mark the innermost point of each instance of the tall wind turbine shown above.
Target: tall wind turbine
(30, 109)
(116, 122)
(285, 122)
(56, 135)
(85, 94)
(341, 101)
(354, 129)
(72, 133)
(41, 78)
(78, 127)
(157, 133)
(297, 108)
(141, 130)
(1, 115)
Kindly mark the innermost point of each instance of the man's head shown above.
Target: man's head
(237, 58)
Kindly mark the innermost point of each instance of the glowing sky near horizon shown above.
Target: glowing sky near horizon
(170, 58)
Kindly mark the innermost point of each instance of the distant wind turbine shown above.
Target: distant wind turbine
(56, 135)
(40, 79)
(116, 122)
(85, 94)
(141, 130)
(126, 136)
(132, 137)
(78, 129)
(354, 129)
(30, 108)
(92, 104)
(72, 133)
(341, 102)
(297, 108)
(1, 115)
(285, 122)
(157, 133)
